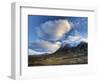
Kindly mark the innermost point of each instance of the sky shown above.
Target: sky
(46, 34)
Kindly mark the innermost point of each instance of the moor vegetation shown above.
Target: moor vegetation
(64, 56)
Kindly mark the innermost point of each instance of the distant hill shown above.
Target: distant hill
(64, 56)
(81, 48)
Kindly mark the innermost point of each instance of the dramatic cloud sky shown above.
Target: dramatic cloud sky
(53, 30)
(46, 34)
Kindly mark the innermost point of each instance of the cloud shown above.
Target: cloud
(51, 36)
(44, 47)
(49, 33)
(72, 40)
(53, 30)
(33, 52)
(84, 40)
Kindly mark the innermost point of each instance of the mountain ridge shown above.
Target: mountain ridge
(63, 56)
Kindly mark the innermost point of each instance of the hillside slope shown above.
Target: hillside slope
(64, 56)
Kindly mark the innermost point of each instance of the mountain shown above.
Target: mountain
(79, 48)
(63, 56)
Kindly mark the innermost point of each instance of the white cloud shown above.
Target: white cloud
(33, 52)
(72, 39)
(47, 32)
(84, 40)
(44, 47)
(53, 30)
